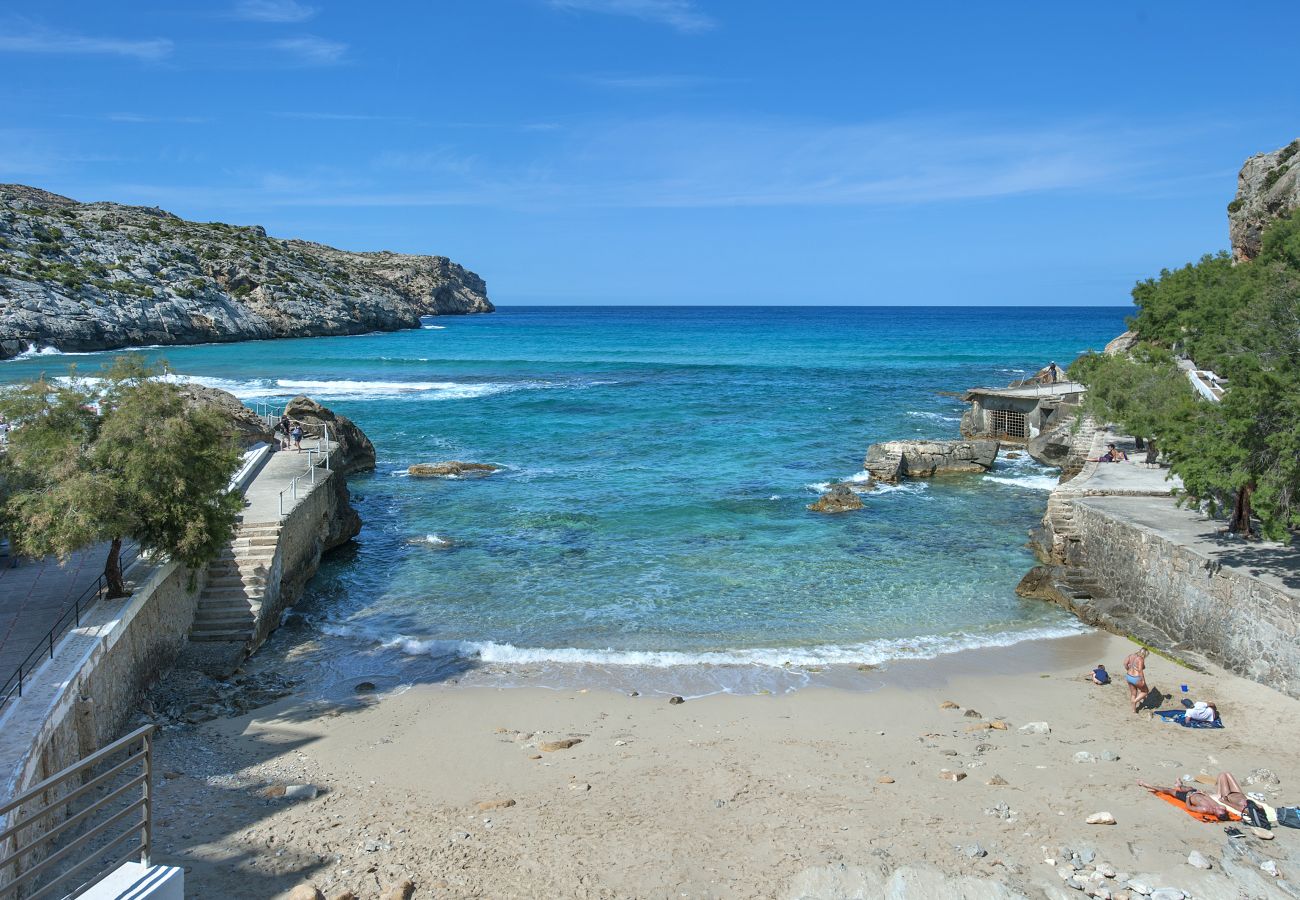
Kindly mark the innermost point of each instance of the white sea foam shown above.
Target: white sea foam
(436, 541)
(1029, 482)
(37, 350)
(932, 416)
(434, 327)
(868, 653)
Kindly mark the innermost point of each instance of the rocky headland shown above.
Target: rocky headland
(1268, 188)
(97, 276)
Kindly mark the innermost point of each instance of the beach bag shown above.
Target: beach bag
(1253, 814)
(1288, 816)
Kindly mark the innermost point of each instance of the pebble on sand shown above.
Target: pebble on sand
(675, 700)
(1035, 728)
(400, 891)
(1196, 859)
(998, 725)
(305, 892)
(971, 714)
(562, 744)
(1100, 818)
(948, 704)
(499, 803)
(1262, 833)
(884, 779)
(949, 775)
(996, 781)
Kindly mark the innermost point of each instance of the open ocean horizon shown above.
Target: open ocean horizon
(657, 464)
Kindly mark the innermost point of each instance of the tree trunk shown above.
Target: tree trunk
(1241, 512)
(113, 570)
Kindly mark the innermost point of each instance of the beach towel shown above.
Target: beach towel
(1198, 816)
(1179, 717)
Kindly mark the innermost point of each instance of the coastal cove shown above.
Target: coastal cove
(649, 525)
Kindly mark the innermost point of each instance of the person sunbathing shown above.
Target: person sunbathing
(1112, 454)
(1225, 803)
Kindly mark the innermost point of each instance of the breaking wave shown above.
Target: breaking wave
(866, 653)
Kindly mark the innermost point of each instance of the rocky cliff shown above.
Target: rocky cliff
(1267, 187)
(93, 276)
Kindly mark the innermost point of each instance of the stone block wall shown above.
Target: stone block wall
(1240, 622)
(122, 646)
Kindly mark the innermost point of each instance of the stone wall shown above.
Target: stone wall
(1241, 622)
(311, 528)
(85, 697)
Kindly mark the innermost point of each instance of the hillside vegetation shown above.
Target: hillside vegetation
(1243, 322)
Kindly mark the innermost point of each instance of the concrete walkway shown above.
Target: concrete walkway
(263, 496)
(35, 594)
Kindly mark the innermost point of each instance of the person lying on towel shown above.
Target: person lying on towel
(1226, 802)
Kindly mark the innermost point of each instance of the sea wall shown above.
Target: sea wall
(319, 522)
(1186, 591)
(86, 696)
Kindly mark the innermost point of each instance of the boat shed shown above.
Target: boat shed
(1017, 414)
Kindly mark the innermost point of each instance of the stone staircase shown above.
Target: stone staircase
(237, 585)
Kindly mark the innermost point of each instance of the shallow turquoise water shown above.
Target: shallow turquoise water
(658, 464)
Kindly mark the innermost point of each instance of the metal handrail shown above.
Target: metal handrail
(71, 618)
(323, 449)
(82, 851)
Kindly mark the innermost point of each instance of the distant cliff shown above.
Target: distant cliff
(1268, 187)
(93, 276)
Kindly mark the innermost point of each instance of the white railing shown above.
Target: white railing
(321, 450)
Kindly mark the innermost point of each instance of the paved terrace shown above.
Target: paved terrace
(35, 593)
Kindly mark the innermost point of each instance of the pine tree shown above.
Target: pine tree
(114, 458)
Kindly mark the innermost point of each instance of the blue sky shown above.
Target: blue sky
(673, 151)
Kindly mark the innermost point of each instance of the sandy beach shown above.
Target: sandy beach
(822, 792)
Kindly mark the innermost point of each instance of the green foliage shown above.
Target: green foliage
(145, 466)
(1236, 204)
(1243, 322)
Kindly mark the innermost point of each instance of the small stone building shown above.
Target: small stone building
(1017, 414)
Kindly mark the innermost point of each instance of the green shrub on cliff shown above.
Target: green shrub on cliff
(143, 466)
(1243, 322)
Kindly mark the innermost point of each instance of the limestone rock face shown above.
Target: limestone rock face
(1121, 344)
(1268, 187)
(891, 460)
(95, 276)
(840, 498)
(1052, 447)
(247, 424)
(355, 453)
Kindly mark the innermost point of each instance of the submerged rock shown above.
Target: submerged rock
(840, 498)
(451, 469)
(891, 460)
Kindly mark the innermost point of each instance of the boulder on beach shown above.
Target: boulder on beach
(451, 469)
(889, 461)
(839, 498)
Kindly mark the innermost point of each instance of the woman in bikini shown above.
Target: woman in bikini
(1135, 673)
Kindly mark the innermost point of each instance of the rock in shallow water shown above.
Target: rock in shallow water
(451, 469)
(839, 498)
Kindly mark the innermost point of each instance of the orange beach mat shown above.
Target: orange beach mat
(1199, 816)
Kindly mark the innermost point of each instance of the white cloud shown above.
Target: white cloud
(42, 40)
(273, 11)
(311, 51)
(679, 14)
(744, 162)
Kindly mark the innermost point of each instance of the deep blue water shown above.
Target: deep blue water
(658, 465)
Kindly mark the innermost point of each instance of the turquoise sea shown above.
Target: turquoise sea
(658, 461)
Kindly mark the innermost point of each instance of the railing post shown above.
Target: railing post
(146, 845)
(51, 643)
(20, 680)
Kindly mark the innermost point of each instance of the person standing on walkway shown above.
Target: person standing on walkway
(284, 428)
(297, 436)
(1135, 673)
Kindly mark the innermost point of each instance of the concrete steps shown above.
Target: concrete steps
(237, 584)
